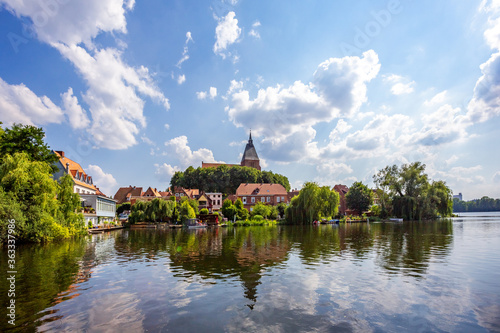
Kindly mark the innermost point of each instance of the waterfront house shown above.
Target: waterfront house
(124, 194)
(96, 206)
(216, 199)
(271, 194)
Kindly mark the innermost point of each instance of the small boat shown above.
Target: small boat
(395, 219)
(195, 224)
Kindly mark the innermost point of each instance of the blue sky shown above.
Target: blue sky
(332, 90)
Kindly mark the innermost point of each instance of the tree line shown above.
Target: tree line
(43, 209)
(225, 179)
(159, 210)
(485, 204)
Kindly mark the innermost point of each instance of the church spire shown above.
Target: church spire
(250, 139)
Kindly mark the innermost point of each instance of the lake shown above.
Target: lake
(441, 276)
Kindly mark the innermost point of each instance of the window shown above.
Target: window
(253, 199)
(176, 194)
(263, 199)
(268, 199)
(278, 199)
(282, 199)
(244, 200)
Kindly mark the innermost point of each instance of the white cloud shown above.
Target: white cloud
(485, 102)
(496, 177)
(167, 127)
(341, 128)
(227, 32)
(77, 116)
(285, 116)
(253, 32)
(185, 55)
(181, 79)
(437, 99)
(72, 22)
(105, 181)
(178, 148)
(113, 99)
(400, 85)
(164, 172)
(445, 125)
(201, 94)
(213, 92)
(21, 105)
(113, 86)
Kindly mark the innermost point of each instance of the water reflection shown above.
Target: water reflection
(112, 273)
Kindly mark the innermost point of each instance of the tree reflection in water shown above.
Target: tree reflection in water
(53, 273)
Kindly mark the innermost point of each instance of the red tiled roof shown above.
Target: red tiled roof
(260, 189)
(75, 170)
(126, 192)
(342, 189)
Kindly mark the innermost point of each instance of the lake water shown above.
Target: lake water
(441, 276)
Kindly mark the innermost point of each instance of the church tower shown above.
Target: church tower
(250, 157)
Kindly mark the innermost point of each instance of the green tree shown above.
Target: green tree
(28, 139)
(204, 211)
(262, 209)
(228, 209)
(359, 198)
(186, 211)
(312, 203)
(70, 207)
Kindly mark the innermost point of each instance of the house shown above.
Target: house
(97, 207)
(82, 183)
(216, 200)
(293, 193)
(271, 194)
(342, 191)
(249, 159)
(124, 194)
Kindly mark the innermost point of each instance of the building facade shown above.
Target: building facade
(270, 194)
(97, 208)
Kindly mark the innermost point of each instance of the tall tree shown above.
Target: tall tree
(27, 139)
(359, 198)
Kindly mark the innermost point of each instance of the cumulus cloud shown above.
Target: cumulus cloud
(400, 85)
(212, 93)
(181, 79)
(437, 99)
(164, 172)
(485, 102)
(113, 99)
(178, 147)
(445, 125)
(105, 181)
(113, 86)
(77, 116)
(18, 104)
(285, 116)
(227, 32)
(185, 55)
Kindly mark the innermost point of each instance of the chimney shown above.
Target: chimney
(67, 166)
(60, 152)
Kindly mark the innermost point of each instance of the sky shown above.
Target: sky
(332, 91)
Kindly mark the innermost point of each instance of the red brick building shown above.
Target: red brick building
(342, 191)
(271, 194)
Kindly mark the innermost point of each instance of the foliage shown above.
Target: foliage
(46, 210)
(359, 198)
(236, 210)
(123, 207)
(192, 202)
(485, 204)
(186, 211)
(261, 209)
(312, 203)
(224, 179)
(412, 195)
(156, 210)
(28, 139)
(204, 211)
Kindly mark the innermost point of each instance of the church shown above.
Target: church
(249, 159)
